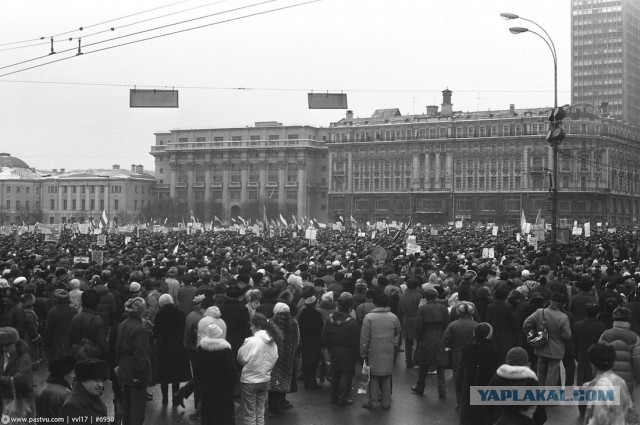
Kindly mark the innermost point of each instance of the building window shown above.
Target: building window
(64, 204)
(17, 204)
(253, 194)
(506, 130)
(102, 204)
(116, 204)
(92, 204)
(83, 204)
(73, 204)
(74, 189)
(216, 195)
(26, 205)
(292, 195)
(470, 131)
(234, 195)
(274, 137)
(8, 189)
(52, 204)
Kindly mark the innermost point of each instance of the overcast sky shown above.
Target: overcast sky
(384, 54)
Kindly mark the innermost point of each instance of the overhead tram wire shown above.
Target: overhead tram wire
(136, 33)
(163, 35)
(94, 25)
(84, 36)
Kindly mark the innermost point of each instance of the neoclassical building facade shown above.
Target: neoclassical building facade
(242, 172)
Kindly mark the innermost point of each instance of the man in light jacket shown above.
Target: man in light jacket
(379, 338)
(551, 353)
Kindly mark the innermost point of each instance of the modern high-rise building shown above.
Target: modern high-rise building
(605, 59)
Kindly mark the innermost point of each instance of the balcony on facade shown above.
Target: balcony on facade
(244, 144)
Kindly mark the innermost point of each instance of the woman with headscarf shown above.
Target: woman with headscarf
(172, 356)
(217, 376)
(253, 297)
(280, 382)
(478, 362)
(458, 334)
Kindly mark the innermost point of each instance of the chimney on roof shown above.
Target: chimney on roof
(512, 108)
(116, 167)
(349, 115)
(447, 106)
(133, 168)
(432, 110)
(55, 170)
(139, 169)
(62, 170)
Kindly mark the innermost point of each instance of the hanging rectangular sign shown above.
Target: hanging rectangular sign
(327, 101)
(153, 98)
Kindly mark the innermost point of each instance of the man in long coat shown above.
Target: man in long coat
(407, 311)
(432, 320)
(379, 338)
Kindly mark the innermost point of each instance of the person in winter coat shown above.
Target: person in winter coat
(50, 398)
(407, 313)
(212, 315)
(88, 324)
(458, 334)
(32, 337)
(341, 336)
(172, 356)
(627, 345)
(379, 339)
(75, 294)
(432, 320)
(310, 323)
(257, 356)
(134, 365)
(236, 316)
(478, 362)
(173, 283)
(16, 367)
(603, 357)
(516, 372)
(85, 400)
(280, 382)
(502, 318)
(106, 308)
(551, 353)
(327, 306)
(217, 376)
(12, 314)
(56, 338)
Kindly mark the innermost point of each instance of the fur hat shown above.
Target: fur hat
(214, 331)
(622, 313)
(27, 300)
(517, 356)
(61, 295)
(165, 299)
(327, 297)
(465, 308)
(62, 366)
(135, 306)
(483, 331)
(8, 336)
(311, 301)
(135, 287)
(281, 308)
(198, 299)
(87, 370)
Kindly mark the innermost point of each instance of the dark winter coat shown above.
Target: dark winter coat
(506, 334)
(627, 345)
(56, 338)
(283, 369)
(107, 308)
(82, 403)
(510, 417)
(19, 368)
(217, 373)
(172, 356)
(186, 294)
(586, 333)
(236, 316)
(50, 398)
(432, 320)
(310, 323)
(341, 336)
(88, 324)
(132, 352)
(510, 376)
(478, 363)
(13, 316)
(578, 304)
(408, 311)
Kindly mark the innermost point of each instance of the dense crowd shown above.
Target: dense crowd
(238, 321)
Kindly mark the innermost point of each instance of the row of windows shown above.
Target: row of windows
(26, 189)
(235, 195)
(83, 205)
(238, 138)
(83, 189)
(18, 205)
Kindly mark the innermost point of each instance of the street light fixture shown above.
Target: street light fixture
(556, 134)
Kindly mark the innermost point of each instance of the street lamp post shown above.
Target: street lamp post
(556, 134)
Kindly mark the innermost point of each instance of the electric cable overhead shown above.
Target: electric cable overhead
(85, 36)
(94, 25)
(153, 29)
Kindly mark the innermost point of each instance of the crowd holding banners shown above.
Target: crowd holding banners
(494, 273)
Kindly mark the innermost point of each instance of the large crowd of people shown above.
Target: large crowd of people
(238, 320)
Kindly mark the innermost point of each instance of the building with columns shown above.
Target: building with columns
(243, 171)
(81, 195)
(484, 166)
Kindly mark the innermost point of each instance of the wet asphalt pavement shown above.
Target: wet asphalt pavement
(313, 407)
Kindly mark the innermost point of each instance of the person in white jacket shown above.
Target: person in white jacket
(257, 356)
